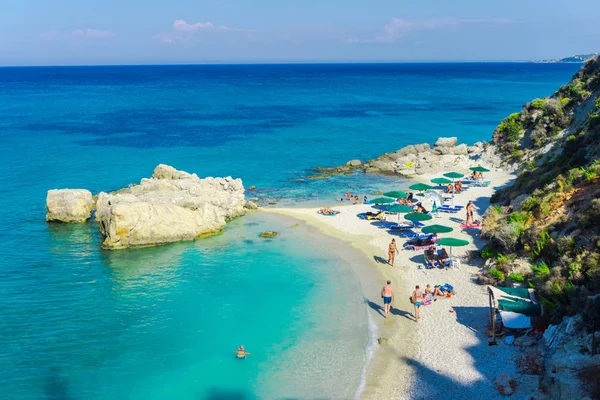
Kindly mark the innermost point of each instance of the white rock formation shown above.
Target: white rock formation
(169, 207)
(69, 205)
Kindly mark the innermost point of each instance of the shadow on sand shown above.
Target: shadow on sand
(393, 310)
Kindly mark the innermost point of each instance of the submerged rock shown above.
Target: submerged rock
(268, 234)
(169, 207)
(69, 205)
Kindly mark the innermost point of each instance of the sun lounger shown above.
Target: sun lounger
(480, 183)
(419, 248)
(454, 209)
(471, 226)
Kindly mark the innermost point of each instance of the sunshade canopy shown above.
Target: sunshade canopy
(454, 175)
(420, 186)
(397, 194)
(417, 217)
(382, 200)
(399, 208)
(437, 229)
(441, 181)
(452, 242)
(479, 169)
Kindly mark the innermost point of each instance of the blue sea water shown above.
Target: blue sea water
(77, 322)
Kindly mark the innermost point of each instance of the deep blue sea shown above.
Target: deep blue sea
(77, 322)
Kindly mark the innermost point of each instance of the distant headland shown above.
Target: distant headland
(578, 58)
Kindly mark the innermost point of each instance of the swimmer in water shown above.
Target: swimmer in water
(241, 352)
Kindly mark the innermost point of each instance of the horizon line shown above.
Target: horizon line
(287, 63)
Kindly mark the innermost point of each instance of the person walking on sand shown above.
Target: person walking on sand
(387, 293)
(470, 208)
(417, 300)
(392, 250)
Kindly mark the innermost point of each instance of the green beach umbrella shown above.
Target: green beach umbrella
(382, 200)
(420, 187)
(400, 209)
(451, 242)
(414, 217)
(479, 169)
(437, 229)
(441, 181)
(396, 194)
(454, 175)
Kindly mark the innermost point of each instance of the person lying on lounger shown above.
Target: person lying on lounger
(449, 188)
(430, 258)
(458, 186)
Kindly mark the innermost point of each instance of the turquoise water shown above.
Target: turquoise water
(77, 322)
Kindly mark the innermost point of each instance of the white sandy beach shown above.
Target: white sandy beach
(445, 353)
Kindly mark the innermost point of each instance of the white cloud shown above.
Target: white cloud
(397, 27)
(77, 33)
(183, 30)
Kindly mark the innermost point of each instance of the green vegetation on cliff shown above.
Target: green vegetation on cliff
(545, 228)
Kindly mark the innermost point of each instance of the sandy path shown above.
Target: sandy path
(446, 353)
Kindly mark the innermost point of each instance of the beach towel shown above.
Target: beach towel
(471, 226)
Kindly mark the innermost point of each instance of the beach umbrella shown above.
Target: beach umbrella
(396, 194)
(382, 200)
(420, 187)
(437, 229)
(479, 169)
(399, 208)
(441, 181)
(414, 217)
(451, 242)
(454, 175)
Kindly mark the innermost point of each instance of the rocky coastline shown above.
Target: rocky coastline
(170, 206)
(414, 160)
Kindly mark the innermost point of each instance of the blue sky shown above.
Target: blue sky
(65, 32)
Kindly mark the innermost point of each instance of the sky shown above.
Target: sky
(84, 32)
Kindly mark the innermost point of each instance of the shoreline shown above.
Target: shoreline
(404, 367)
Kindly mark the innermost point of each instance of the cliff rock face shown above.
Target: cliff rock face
(69, 205)
(169, 207)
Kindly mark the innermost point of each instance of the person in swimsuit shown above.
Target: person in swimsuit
(241, 352)
(417, 299)
(470, 207)
(387, 293)
(392, 250)
(435, 291)
(364, 199)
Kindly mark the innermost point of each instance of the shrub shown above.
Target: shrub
(519, 217)
(541, 271)
(498, 275)
(564, 101)
(538, 104)
(516, 277)
(488, 253)
(518, 154)
(530, 203)
(510, 127)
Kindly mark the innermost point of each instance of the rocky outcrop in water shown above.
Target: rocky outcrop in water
(69, 205)
(420, 159)
(169, 207)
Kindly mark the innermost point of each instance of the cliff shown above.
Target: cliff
(544, 231)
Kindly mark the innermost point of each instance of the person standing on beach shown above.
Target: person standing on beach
(417, 300)
(387, 293)
(470, 208)
(392, 250)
